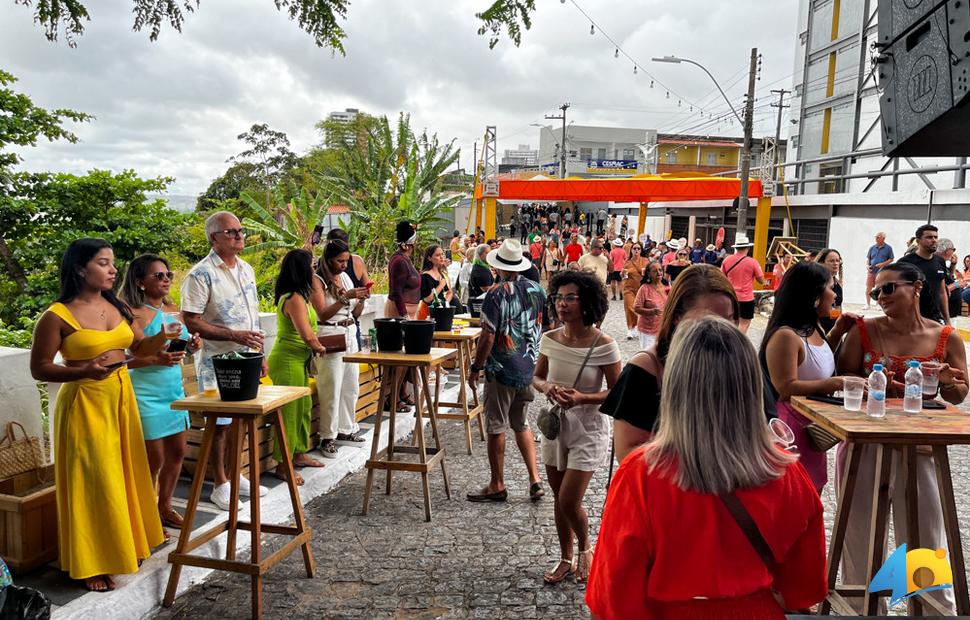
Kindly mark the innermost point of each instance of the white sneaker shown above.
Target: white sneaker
(244, 487)
(220, 496)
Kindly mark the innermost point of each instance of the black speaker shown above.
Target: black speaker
(924, 75)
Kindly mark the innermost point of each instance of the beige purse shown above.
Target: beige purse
(19, 455)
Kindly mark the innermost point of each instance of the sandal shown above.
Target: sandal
(172, 519)
(553, 576)
(587, 555)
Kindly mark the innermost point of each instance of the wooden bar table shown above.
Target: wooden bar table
(246, 417)
(474, 321)
(417, 367)
(464, 342)
(904, 432)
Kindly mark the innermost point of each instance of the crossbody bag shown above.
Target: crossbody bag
(550, 416)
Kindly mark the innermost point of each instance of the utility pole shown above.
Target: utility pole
(562, 145)
(742, 226)
(781, 92)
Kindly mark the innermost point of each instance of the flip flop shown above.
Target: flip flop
(497, 496)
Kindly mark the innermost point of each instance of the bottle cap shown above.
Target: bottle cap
(913, 364)
(876, 367)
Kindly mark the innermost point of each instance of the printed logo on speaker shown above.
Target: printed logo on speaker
(907, 574)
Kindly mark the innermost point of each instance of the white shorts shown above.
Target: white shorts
(647, 341)
(583, 442)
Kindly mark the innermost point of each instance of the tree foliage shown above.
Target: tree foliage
(321, 19)
(269, 150)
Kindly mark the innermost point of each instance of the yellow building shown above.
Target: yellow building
(677, 153)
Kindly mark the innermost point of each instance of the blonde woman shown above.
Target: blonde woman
(667, 506)
(552, 262)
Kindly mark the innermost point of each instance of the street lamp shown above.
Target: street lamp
(747, 123)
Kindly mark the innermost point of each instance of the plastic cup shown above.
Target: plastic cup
(931, 378)
(852, 391)
(835, 312)
(210, 387)
(172, 325)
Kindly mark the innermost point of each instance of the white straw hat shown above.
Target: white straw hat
(508, 257)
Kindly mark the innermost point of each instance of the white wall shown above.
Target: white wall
(21, 400)
(852, 237)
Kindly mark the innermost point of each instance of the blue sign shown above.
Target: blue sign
(610, 165)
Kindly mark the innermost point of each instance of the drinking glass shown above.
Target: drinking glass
(852, 390)
(835, 312)
(209, 386)
(172, 324)
(931, 378)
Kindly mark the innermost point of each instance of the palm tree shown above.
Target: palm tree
(286, 225)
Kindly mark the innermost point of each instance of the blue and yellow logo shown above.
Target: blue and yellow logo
(910, 573)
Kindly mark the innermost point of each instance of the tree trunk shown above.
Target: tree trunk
(14, 270)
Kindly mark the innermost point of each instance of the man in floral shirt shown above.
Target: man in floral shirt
(513, 317)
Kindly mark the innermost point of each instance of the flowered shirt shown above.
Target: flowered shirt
(516, 312)
(224, 297)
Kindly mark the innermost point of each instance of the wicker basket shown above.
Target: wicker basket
(19, 455)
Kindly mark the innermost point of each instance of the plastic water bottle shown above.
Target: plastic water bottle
(876, 405)
(913, 396)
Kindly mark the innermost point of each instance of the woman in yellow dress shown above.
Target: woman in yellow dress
(107, 520)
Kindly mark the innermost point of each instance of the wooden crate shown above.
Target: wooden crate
(28, 531)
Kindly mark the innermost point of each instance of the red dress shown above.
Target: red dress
(662, 551)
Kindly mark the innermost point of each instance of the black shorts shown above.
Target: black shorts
(746, 310)
(613, 276)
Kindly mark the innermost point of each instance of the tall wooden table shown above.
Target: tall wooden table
(395, 366)
(246, 416)
(905, 432)
(474, 321)
(464, 342)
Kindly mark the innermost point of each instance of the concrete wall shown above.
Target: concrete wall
(21, 399)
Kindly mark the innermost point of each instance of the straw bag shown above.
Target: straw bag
(18, 455)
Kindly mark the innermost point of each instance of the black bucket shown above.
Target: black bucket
(443, 317)
(238, 379)
(475, 306)
(389, 337)
(418, 336)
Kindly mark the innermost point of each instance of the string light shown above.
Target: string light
(668, 94)
(592, 29)
(634, 69)
(616, 54)
(651, 83)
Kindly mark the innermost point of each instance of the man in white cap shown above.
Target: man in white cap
(513, 317)
(742, 271)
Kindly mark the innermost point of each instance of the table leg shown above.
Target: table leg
(846, 492)
(387, 382)
(235, 469)
(193, 502)
(419, 436)
(475, 401)
(463, 394)
(952, 524)
(256, 557)
(433, 416)
(878, 523)
(276, 418)
(392, 421)
(912, 514)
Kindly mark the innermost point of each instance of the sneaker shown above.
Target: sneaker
(220, 496)
(328, 447)
(350, 437)
(244, 488)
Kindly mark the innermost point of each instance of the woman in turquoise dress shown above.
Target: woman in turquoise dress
(158, 380)
(292, 354)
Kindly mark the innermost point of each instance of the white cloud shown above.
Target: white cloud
(174, 107)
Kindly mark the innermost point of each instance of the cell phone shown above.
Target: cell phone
(123, 362)
(316, 235)
(177, 346)
(369, 285)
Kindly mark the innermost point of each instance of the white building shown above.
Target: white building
(598, 151)
(523, 156)
(343, 118)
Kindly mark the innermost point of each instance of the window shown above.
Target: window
(629, 154)
(712, 159)
(601, 153)
(672, 157)
(586, 153)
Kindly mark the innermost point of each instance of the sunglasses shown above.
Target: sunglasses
(888, 288)
(163, 275)
(238, 233)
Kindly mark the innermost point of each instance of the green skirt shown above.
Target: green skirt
(290, 368)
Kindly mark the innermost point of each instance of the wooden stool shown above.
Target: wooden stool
(464, 342)
(245, 414)
(394, 367)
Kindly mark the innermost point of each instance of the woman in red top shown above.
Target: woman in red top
(404, 281)
(892, 340)
(668, 547)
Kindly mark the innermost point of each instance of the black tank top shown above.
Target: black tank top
(353, 275)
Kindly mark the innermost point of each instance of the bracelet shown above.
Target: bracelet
(476, 369)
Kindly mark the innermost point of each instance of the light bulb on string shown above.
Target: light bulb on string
(616, 54)
(634, 69)
(651, 83)
(678, 103)
(592, 29)
(668, 94)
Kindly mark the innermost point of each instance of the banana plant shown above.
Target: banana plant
(287, 224)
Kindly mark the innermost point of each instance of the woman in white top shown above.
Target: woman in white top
(579, 302)
(337, 304)
(552, 261)
(464, 274)
(796, 355)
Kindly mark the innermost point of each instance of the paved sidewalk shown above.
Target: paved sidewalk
(471, 561)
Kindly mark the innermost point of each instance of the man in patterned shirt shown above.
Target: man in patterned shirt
(219, 303)
(513, 317)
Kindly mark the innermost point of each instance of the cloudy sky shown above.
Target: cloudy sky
(174, 107)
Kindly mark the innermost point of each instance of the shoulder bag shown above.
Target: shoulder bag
(550, 416)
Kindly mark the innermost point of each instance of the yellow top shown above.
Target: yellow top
(87, 344)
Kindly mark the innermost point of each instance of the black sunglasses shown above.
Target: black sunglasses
(888, 288)
(162, 275)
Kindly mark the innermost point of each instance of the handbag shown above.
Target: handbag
(336, 343)
(550, 416)
(820, 439)
(18, 455)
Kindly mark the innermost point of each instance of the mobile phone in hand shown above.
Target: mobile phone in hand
(177, 346)
(369, 285)
(119, 364)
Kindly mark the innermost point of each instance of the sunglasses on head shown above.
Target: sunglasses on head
(163, 275)
(888, 288)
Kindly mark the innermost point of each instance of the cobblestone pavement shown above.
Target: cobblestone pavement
(471, 561)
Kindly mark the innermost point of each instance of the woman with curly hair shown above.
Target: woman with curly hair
(573, 362)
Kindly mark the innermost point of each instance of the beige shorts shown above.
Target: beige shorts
(506, 407)
(583, 442)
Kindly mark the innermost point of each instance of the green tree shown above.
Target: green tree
(318, 18)
(269, 151)
(22, 124)
(225, 190)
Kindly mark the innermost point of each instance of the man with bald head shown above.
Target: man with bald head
(219, 303)
(879, 256)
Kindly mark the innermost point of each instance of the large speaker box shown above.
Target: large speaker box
(925, 79)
